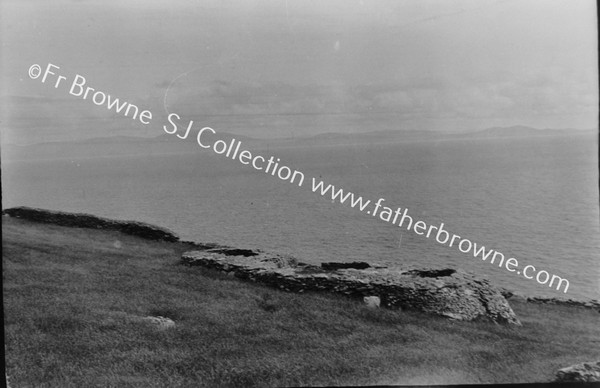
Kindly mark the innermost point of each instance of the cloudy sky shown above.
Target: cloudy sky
(298, 67)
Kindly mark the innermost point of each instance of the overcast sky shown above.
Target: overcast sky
(297, 67)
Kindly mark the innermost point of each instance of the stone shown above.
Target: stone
(161, 323)
(454, 316)
(518, 297)
(372, 301)
(506, 293)
(587, 372)
(284, 261)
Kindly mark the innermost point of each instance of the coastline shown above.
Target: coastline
(78, 298)
(153, 232)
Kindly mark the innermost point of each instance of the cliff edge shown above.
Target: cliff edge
(82, 220)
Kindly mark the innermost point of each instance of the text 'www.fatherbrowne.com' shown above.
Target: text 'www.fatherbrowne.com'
(207, 138)
(400, 218)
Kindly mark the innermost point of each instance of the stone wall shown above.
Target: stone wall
(80, 220)
(447, 292)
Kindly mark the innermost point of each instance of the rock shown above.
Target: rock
(506, 293)
(355, 265)
(372, 301)
(161, 323)
(518, 297)
(586, 372)
(589, 304)
(454, 316)
(284, 261)
(81, 220)
(446, 292)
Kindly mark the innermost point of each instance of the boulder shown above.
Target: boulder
(587, 372)
(372, 301)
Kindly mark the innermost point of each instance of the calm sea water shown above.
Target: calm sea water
(534, 199)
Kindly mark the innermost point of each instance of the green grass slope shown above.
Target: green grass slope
(72, 298)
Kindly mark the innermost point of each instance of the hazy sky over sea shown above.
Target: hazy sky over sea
(298, 67)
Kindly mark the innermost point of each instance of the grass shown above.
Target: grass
(73, 298)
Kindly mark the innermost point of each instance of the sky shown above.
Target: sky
(291, 68)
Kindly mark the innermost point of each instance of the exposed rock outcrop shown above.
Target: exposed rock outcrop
(588, 304)
(447, 292)
(587, 372)
(81, 220)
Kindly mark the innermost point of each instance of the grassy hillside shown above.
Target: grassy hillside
(73, 298)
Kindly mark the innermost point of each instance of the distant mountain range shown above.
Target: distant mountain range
(171, 144)
(494, 132)
(522, 131)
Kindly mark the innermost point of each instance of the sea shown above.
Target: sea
(535, 199)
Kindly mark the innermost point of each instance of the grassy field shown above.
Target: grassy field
(73, 298)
